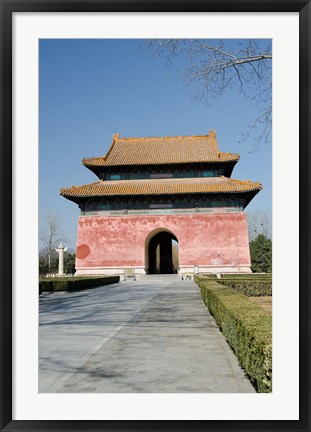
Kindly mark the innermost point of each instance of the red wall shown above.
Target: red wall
(204, 239)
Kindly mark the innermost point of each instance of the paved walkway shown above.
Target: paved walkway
(145, 336)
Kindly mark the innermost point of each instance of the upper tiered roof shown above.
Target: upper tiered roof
(161, 151)
(156, 152)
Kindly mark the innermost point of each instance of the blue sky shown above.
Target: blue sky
(90, 89)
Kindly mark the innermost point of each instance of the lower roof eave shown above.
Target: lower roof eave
(249, 195)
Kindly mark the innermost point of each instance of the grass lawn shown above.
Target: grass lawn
(265, 302)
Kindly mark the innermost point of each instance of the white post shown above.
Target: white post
(61, 251)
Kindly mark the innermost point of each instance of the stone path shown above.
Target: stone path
(152, 335)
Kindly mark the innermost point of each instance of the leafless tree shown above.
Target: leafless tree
(50, 234)
(259, 222)
(218, 65)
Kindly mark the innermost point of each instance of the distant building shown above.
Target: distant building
(163, 205)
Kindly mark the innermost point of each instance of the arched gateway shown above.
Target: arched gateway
(156, 193)
(161, 252)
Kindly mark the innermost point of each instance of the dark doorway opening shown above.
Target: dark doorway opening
(163, 254)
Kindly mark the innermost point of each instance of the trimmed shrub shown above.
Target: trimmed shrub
(76, 283)
(249, 287)
(246, 326)
(246, 276)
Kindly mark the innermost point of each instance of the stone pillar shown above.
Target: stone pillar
(61, 251)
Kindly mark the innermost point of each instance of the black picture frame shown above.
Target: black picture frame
(7, 9)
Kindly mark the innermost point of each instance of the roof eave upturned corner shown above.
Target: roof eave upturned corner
(87, 162)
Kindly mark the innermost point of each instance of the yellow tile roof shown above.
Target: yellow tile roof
(161, 187)
(162, 150)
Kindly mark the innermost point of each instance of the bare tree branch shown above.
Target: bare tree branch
(217, 65)
(259, 222)
(50, 234)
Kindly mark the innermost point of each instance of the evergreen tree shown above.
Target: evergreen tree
(69, 263)
(44, 268)
(261, 254)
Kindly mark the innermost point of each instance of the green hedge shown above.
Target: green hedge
(247, 327)
(246, 275)
(75, 283)
(252, 287)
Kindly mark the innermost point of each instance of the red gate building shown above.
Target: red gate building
(163, 205)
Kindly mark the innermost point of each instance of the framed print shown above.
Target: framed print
(163, 213)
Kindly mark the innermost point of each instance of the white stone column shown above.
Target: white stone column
(61, 251)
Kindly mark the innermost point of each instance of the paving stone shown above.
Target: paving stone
(149, 336)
